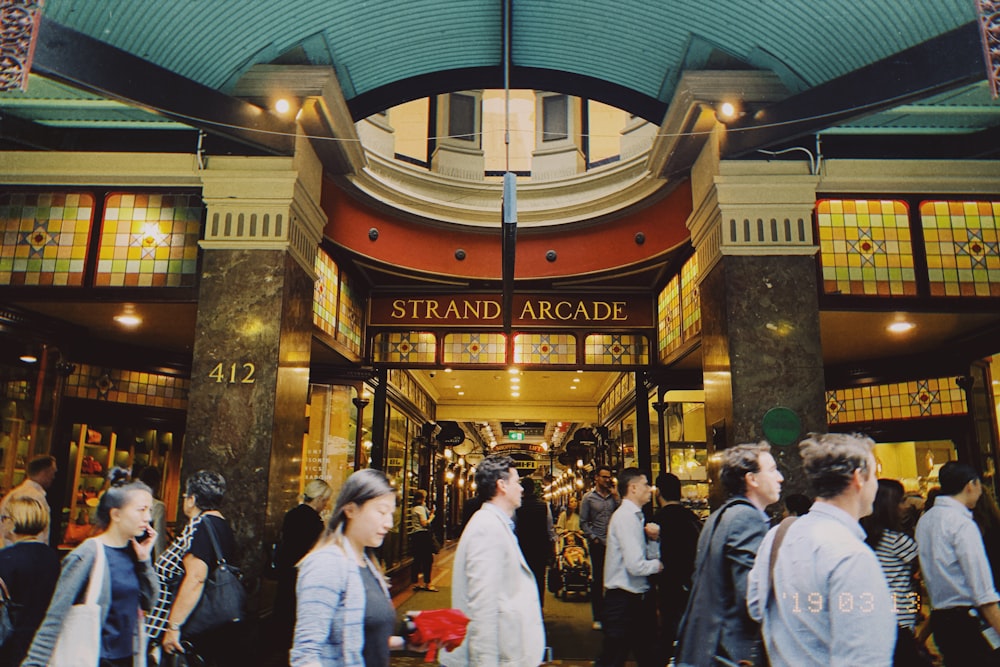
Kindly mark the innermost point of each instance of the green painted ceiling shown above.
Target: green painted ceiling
(638, 45)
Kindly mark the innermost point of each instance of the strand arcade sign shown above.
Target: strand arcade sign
(612, 311)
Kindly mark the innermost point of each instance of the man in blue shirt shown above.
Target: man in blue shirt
(596, 509)
(633, 554)
(956, 570)
(825, 603)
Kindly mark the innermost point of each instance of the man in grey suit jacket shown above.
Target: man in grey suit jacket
(716, 623)
(491, 582)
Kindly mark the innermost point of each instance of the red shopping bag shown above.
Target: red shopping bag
(437, 628)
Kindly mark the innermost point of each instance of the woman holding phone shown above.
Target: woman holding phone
(128, 584)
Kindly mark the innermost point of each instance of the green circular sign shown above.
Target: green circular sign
(782, 426)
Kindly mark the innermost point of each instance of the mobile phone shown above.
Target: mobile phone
(144, 536)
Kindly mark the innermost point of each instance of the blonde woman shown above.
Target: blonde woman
(344, 615)
(300, 530)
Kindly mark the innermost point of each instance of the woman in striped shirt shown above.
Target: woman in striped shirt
(897, 554)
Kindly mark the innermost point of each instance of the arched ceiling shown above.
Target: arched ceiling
(634, 51)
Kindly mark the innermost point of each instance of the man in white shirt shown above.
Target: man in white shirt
(633, 554)
(827, 604)
(957, 571)
(41, 473)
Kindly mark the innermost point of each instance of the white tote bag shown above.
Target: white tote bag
(79, 642)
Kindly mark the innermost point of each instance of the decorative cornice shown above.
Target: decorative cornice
(430, 197)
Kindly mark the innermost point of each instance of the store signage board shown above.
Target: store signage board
(529, 310)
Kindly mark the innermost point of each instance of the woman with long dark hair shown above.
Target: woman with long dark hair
(344, 615)
(897, 554)
(128, 583)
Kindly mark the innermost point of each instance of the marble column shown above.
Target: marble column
(250, 368)
(761, 349)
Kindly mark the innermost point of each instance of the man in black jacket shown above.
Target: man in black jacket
(716, 623)
(534, 533)
(679, 530)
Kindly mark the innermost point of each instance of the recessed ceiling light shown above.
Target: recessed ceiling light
(457, 386)
(447, 370)
(461, 393)
(576, 379)
(901, 327)
(572, 386)
(282, 105)
(128, 319)
(513, 371)
(579, 371)
(515, 394)
(515, 379)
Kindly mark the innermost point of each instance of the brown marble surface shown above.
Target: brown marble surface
(761, 349)
(254, 308)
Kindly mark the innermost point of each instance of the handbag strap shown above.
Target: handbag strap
(96, 573)
(715, 524)
(219, 560)
(4, 593)
(779, 537)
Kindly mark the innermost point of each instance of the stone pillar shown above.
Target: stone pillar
(752, 229)
(250, 369)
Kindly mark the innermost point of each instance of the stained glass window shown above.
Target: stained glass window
(44, 237)
(690, 298)
(961, 240)
(669, 318)
(545, 349)
(865, 247)
(349, 324)
(149, 240)
(901, 400)
(325, 294)
(413, 347)
(475, 348)
(125, 386)
(616, 350)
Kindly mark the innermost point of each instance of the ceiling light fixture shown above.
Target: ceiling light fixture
(513, 370)
(515, 394)
(28, 358)
(901, 327)
(282, 105)
(128, 318)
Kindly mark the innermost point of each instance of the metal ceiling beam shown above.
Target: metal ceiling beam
(74, 58)
(948, 61)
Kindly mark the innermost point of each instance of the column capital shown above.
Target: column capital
(264, 203)
(751, 208)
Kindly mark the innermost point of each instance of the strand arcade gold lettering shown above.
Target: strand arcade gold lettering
(486, 310)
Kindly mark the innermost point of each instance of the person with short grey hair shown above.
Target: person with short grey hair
(824, 601)
(715, 623)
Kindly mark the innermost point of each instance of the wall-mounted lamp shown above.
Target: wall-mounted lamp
(128, 317)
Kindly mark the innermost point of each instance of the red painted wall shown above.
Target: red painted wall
(581, 248)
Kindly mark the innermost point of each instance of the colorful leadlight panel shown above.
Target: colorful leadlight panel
(961, 242)
(125, 386)
(690, 298)
(865, 247)
(668, 318)
(325, 294)
(616, 350)
(44, 237)
(545, 349)
(405, 347)
(149, 240)
(475, 348)
(901, 400)
(349, 324)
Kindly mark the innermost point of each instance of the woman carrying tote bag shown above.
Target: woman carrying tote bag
(117, 562)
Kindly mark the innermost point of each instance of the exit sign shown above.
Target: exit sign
(515, 435)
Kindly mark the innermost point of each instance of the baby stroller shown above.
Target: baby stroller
(571, 573)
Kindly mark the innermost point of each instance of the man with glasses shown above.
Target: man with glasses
(596, 509)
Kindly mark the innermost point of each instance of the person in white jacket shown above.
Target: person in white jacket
(491, 582)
